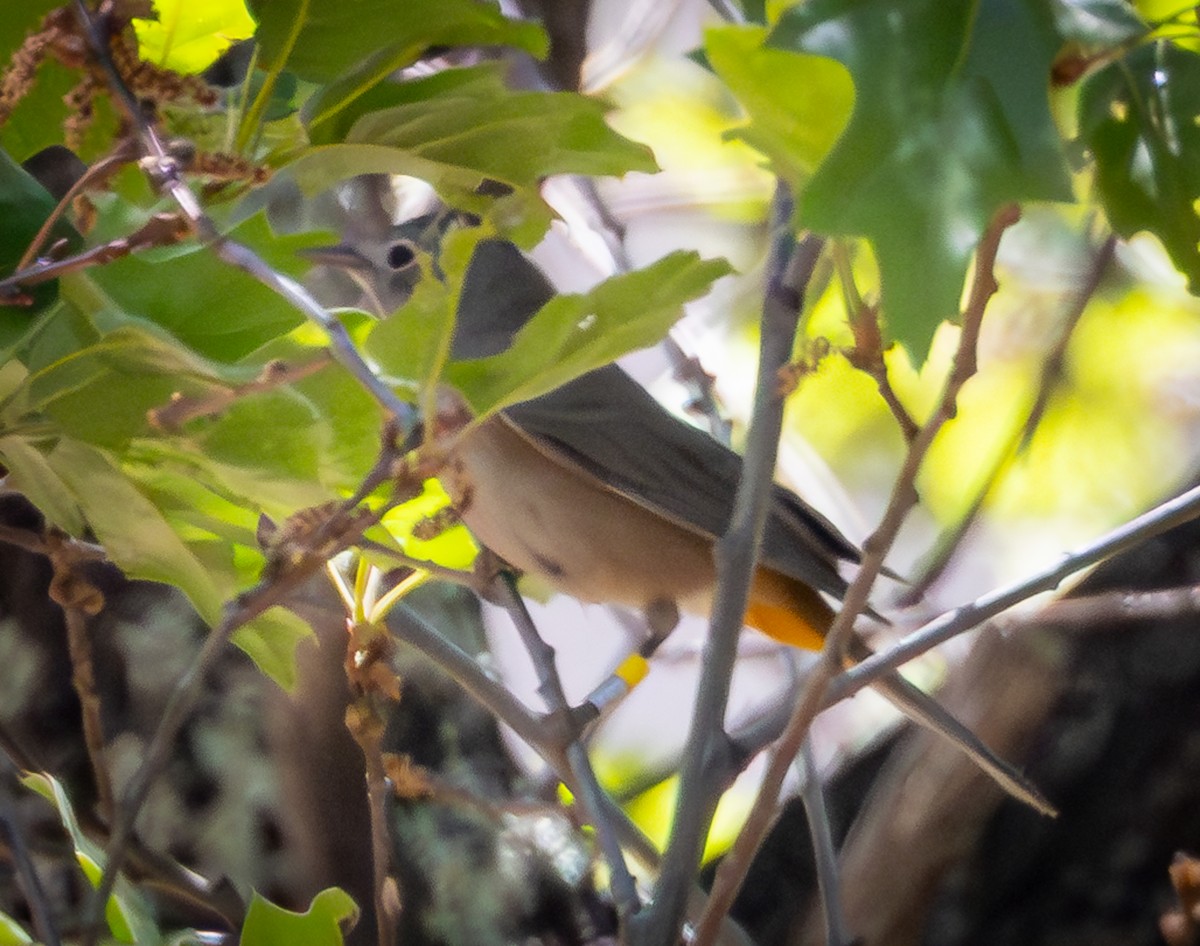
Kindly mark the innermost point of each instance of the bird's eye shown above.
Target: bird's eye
(401, 255)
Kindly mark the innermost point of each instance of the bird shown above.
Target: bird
(603, 494)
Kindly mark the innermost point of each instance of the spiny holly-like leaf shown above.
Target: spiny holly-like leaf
(798, 104)
(269, 925)
(1139, 118)
(951, 122)
(320, 40)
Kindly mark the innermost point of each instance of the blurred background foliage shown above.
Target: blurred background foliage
(688, 123)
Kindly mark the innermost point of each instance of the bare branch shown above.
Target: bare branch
(708, 762)
(1183, 508)
(591, 794)
(1049, 381)
(292, 562)
(181, 409)
(733, 869)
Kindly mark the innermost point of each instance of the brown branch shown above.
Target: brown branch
(867, 353)
(172, 417)
(709, 763)
(99, 171)
(84, 680)
(302, 548)
(159, 230)
(1050, 379)
(733, 869)
(1115, 606)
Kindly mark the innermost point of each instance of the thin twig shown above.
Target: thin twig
(159, 230)
(543, 734)
(181, 409)
(166, 173)
(98, 171)
(1184, 508)
(733, 869)
(84, 680)
(708, 757)
(867, 353)
(812, 795)
(591, 795)
(1050, 378)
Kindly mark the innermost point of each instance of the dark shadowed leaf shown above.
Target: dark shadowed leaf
(1139, 119)
(951, 122)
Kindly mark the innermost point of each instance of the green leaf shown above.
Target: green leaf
(12, 933)
(320, 40)
(132, 530)
(269, 925)
(276, 432)
(24, 207)
(270, 640)
(1138, 118)
(188, 37)
(213, 308)
(951, 122)
(30, 473)
(129, 917)
(129, 370)
(461, 126)
(798, 104)
(574, 334)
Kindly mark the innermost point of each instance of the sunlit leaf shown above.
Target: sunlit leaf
(951, 122)
(1138, 118)
(451, 547)
(269, 925)
(574, 334)
(1097, 24)
(188, 37)
(12, 933)
(31, 474)
(133, 532)
(798, 104)
(271, 640)
(128, 915)
(458, 127)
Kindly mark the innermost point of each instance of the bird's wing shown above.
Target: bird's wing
(675, 470)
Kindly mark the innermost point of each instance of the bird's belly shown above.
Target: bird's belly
(559, 523)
